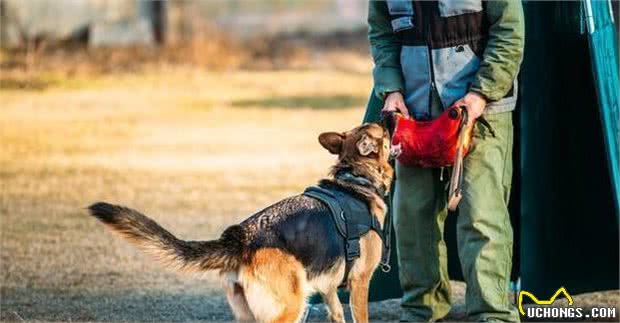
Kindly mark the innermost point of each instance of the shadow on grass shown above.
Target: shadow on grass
(97, 305)
(129, 305)
(313, 102)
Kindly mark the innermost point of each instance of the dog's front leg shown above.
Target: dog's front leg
(359, 298)
(334, 306)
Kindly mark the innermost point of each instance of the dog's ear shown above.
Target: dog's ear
(332, 141)
(366, 145)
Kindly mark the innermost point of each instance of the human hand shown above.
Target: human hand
(394, 102)
(474, 103)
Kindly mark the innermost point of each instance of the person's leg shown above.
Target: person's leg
(484, 232)
(419, 214)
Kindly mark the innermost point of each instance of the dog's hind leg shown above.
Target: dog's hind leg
(274, 284)
(334, 306)
(238, 303)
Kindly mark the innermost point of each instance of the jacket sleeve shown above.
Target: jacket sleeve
(385, 50)
(504, 51)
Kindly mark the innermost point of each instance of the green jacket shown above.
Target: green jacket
(500, 61)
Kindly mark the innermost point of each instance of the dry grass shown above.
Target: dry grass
(197, 151)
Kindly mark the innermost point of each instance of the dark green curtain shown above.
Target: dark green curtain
(569, 228)
(603, 40)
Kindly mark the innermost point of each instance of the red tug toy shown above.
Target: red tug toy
(441, 142)
(432, 143)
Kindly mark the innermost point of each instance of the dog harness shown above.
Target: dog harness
(353, 220)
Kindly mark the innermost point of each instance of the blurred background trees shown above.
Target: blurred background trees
(119, 34)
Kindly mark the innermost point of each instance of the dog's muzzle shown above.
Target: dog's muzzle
(395, 151)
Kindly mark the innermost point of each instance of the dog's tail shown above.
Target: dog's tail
(224, 253)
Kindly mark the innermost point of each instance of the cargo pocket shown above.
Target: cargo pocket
(507, 175)
(450, 8)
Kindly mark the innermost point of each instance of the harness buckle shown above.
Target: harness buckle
(353, 249)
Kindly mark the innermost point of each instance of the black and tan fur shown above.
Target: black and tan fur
(271, 262)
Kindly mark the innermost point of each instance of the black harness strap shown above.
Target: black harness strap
(387, 238)
(352, 218)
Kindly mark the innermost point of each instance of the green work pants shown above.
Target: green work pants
(484, 233)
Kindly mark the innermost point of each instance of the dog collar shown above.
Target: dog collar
(359, 180)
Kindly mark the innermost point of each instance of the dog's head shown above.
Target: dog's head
(363, 148)
(365, 143)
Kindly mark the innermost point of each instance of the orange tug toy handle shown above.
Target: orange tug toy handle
(456, 180)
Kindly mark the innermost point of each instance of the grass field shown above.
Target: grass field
(195, 150)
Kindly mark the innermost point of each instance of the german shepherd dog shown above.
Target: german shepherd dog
(274, 260)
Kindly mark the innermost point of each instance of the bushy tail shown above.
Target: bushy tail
(224, 253)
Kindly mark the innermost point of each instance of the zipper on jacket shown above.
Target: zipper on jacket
(432, 75)
(427, 10)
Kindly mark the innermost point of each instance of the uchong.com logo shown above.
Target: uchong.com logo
(543, 309)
